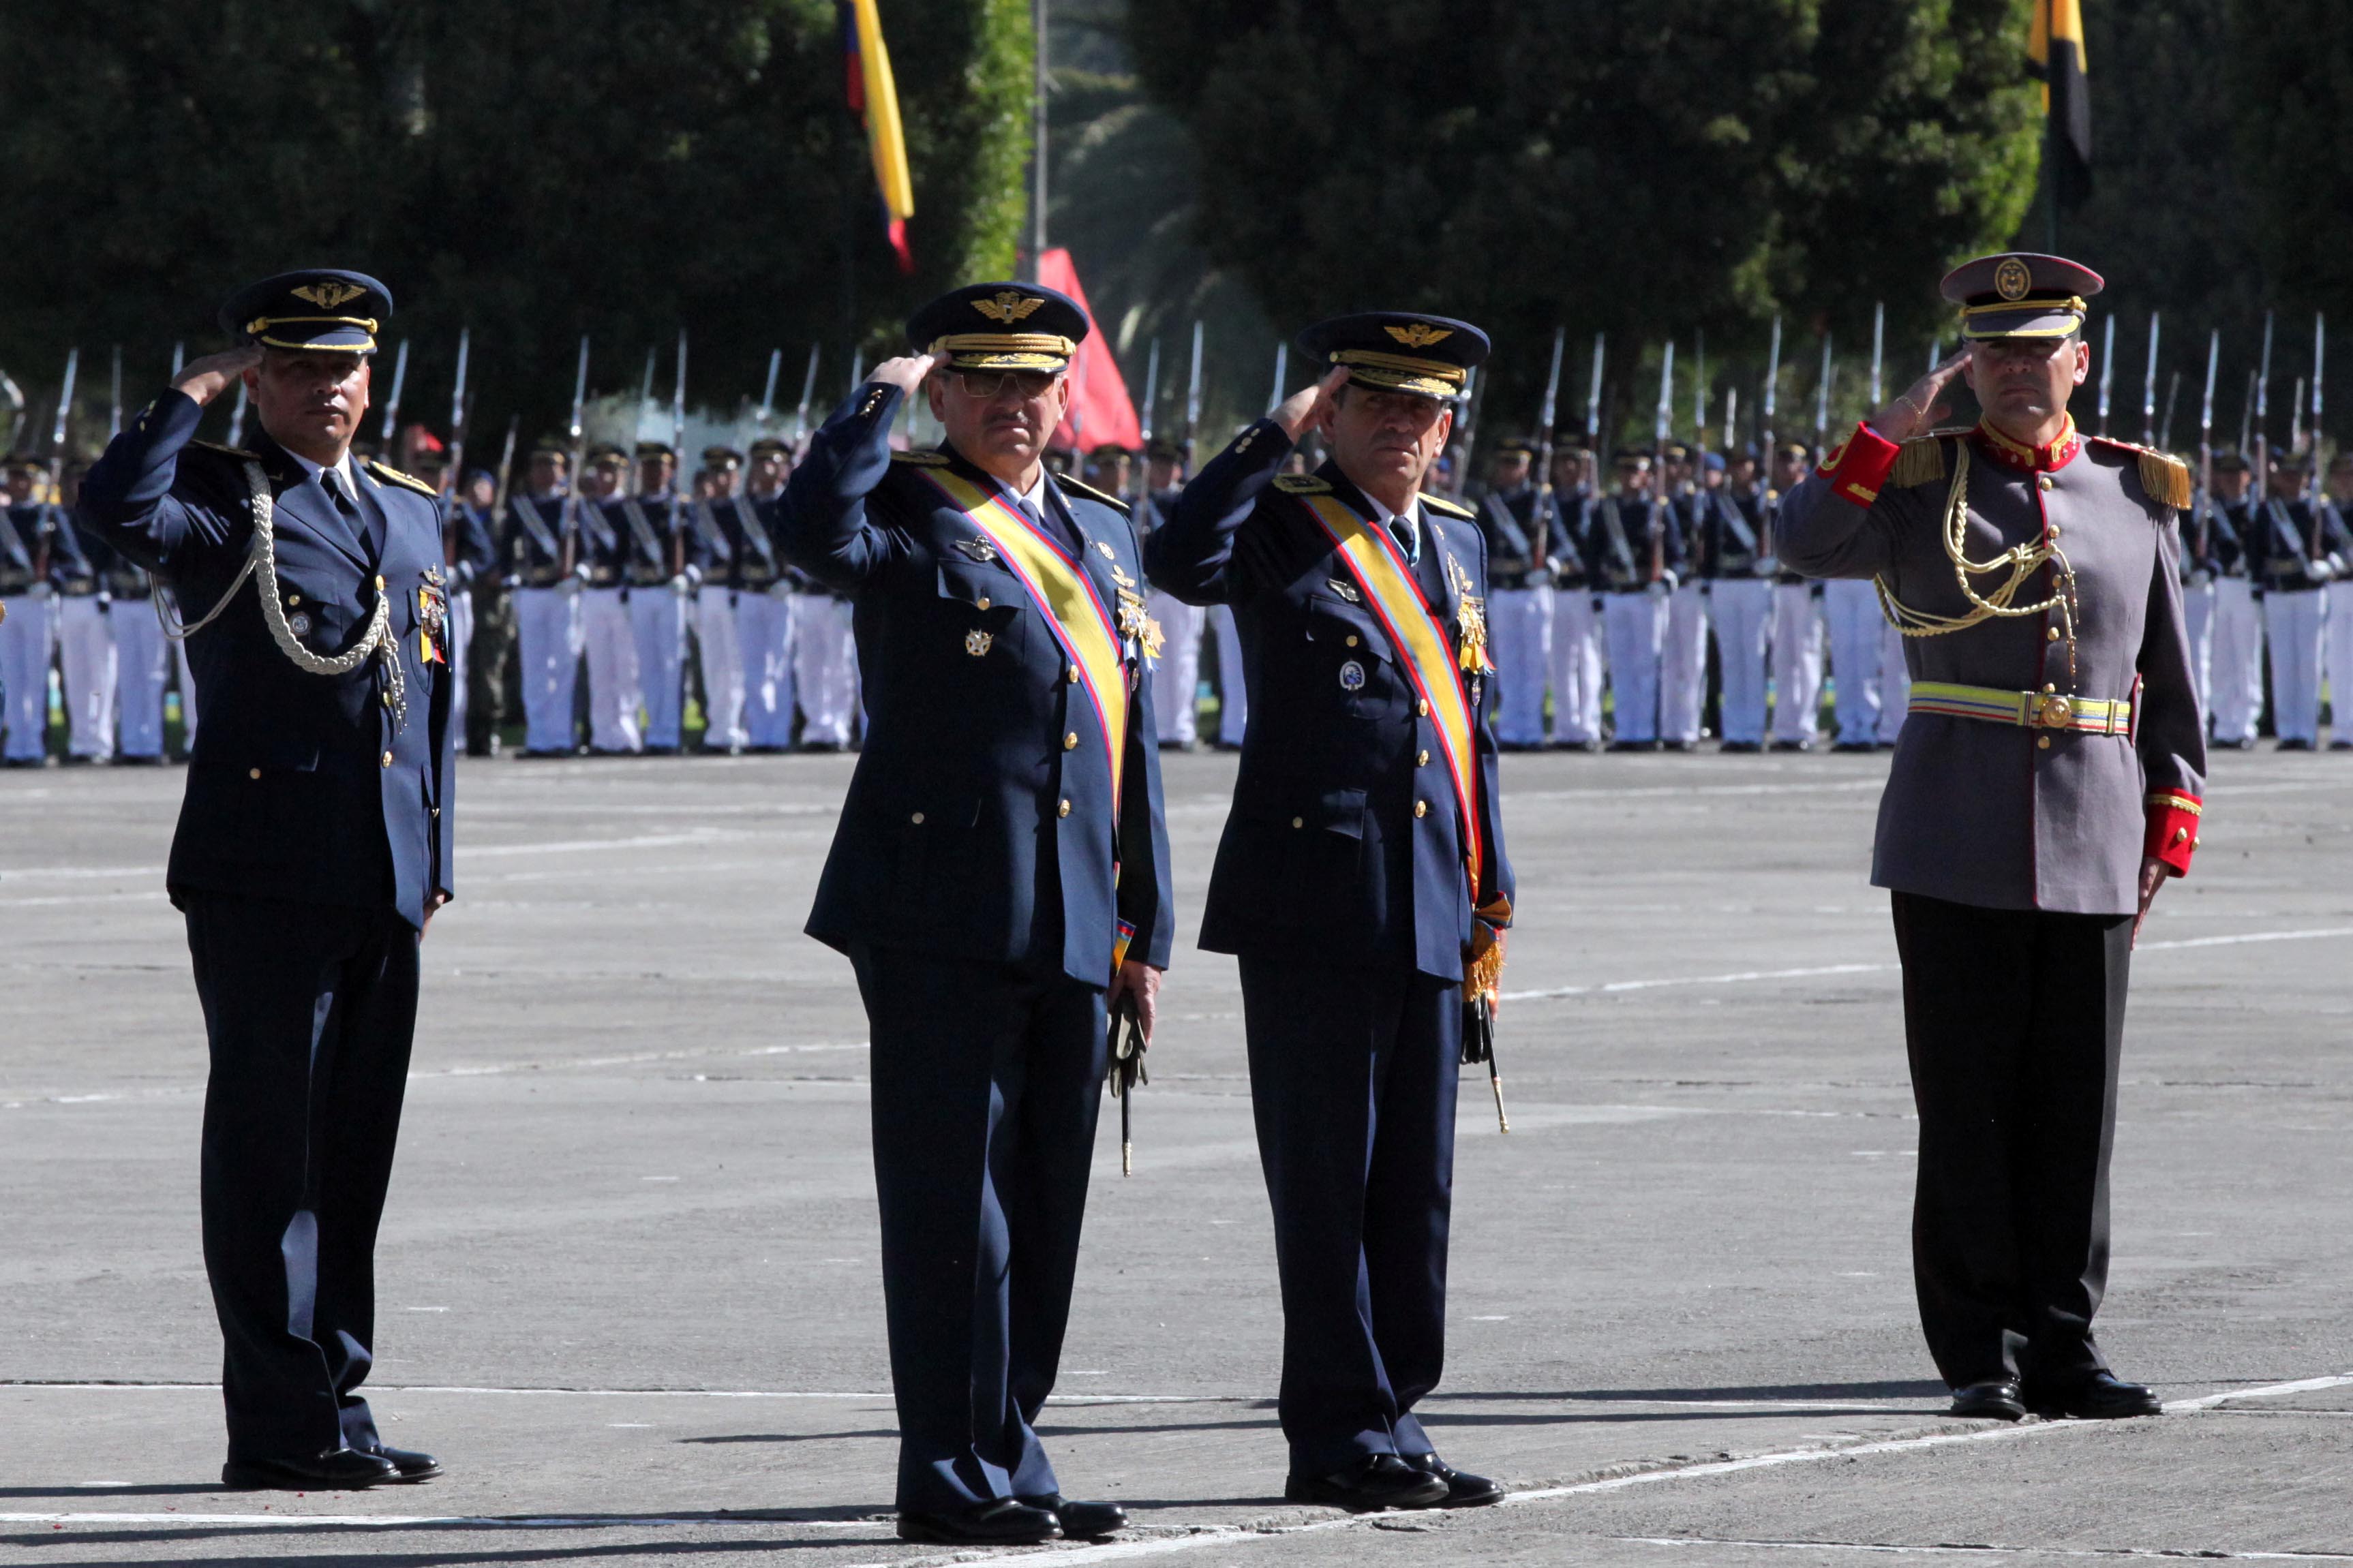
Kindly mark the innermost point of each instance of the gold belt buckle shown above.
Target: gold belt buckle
(2053, 711)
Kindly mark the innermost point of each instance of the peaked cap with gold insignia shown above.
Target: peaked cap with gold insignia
(2021, 294)
(1400, 351)
(321, 310)
(1001, 326)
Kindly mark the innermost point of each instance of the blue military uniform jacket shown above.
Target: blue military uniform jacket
(301, 786)
(1617, 542)
(473, 548)
(25, 533)
(2278, 543)
(1324, 856)
(1507, 522)
(1568, 519)
(532, 539)
(983, 792)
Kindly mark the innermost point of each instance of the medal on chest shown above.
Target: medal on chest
(432, 618)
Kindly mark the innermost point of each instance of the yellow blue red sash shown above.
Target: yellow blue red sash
(1061, 588)
(1415, 632)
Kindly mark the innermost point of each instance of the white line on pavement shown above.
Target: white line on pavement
(1894, 1548)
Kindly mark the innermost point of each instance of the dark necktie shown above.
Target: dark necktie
(1401, 526)
(331, 483)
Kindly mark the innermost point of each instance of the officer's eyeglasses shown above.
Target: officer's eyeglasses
(985, 385)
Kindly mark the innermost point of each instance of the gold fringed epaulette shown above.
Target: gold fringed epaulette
(1302, 485)
(392, 475)
(1452, 509)
(2166, 479)
(1919, 461)
(922, 458)
(1092, 493)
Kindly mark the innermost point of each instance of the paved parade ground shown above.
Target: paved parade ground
(628, 1280)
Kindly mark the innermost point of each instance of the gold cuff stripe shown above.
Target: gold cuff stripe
(2177, 802)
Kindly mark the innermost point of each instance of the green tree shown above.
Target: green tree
(1643, 167)
(531, 169)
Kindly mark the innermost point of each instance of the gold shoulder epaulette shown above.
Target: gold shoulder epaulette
(1092, 493)
(1452, 509)
(923, 457)
(2165, 477)
(1302, 484)
(392, 475)
(238, 452)
(1919, 461)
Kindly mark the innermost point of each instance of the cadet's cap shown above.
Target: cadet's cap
(2290, 462)
(769, 444)
(1796, 450)
(605, 455)
(1001, 326)
(1109, 449)
(2228, 461)
(1397, 351)
(1675, 452)
(661, 449)
(551, 446)
(1633, 457)
(1745, 453)
(21, 465)
(1515, 446)
(321, 309)
(1713, 462)
(722, 456)
(1573, 455)
(1160, 449)
(2020, 294)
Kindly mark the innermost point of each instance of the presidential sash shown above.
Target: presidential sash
(1415, 632)
(1061, 588)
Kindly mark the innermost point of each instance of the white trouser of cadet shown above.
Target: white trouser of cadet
(86, 658)
(1575, 667)
(825, 667)
(1741, 609)
(2237, 660)
(1682, 665)
(2198, 619)
(1520, 621)
(1637, 628)
(720, 654)
(765, 638)
(1894, 683)
(548, 642)
(25, 640)
(1176, 678)
(139, 666)
(2339, 665)
(658, 620)
(1797, 662)
(2293, 626)
(1851, 607)
(460, 654)
(613, 691)
(1233, 696)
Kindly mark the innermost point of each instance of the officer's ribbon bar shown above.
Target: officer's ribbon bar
(1061, 588)
(1415, 630)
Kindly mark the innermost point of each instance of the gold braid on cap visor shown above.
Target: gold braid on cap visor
(1370, 358)
(1004, 343)
(2071, 306)
(259, 327)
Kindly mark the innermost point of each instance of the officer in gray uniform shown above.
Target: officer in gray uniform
(2047, 782)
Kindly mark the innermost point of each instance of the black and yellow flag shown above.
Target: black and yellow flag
(2055, 48)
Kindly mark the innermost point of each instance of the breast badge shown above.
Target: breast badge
(432, 620)
(1346, 589)
(978, 549)
(1352, 676)
(977, 643)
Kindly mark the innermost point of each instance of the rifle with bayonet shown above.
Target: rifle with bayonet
(1661, 504)
(2107, 369)
(2319, 474)
(809, 391)
(2149, 385)
(1193, 399)
(1141, 481)
(1769, 553)
(767, 405)
(577, 480)
(57, 430)
(2204, 527)
(391, 406)
(453, 499)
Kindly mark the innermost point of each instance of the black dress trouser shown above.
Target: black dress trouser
(309, 1009)
(2014, 1023)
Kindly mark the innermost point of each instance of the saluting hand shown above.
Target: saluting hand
(905, 372)
(1303, 410)
(208, 377)
(1924, 404)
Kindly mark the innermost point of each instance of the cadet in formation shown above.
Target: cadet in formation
(313, 843)
(1577, 667)
(1362, 879)
(27, 534)
(1520, 610)
(768, 595)
(538, 544)
(1737, 576)
(1797, 615)
(2296, 546)
(1177, 677)
(713, 538)
(1693, 484)
(2047, 782)
(999, 877)
(1633, 551)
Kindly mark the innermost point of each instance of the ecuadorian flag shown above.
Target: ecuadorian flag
(874, 98)
(2055, 48)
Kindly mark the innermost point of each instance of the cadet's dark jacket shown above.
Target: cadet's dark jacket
(1726, 552)
(645, 527)
(301, 787)
(474, 552)
(984, 753)
(1506, 523)
(2000, 815)
(1325, 857)
(532, 542)
(601, 541)
(2278, 541)
(1618, 561)
(25, 533)
(760, 561)
(711, 536)
(1568, 522)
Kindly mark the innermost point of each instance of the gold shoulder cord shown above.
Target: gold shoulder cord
(2021, 561)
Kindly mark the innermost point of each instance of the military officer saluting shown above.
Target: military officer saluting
(999, 876)
(2046, 784)
(313, 845)
(1362, 877)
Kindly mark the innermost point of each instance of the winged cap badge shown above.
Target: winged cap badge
(1007, 307)
(1420, 334)
(329, 294)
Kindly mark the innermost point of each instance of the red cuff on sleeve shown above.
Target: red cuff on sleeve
(1859, 466)
(2173, 818)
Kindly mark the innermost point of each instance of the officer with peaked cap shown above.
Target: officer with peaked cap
(998, 879)
(2046, 785)
(1362, 879)
(313, 846)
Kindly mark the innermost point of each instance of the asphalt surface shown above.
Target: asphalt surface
(628, 1282)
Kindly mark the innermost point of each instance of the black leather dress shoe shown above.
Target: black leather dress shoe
(1462, 1488)
(2103, 1396)
(1003, 1522)
(412, 1464)
(340, 1470)
(1995, 1399)
(1373, 1483)
(1080, 1520)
